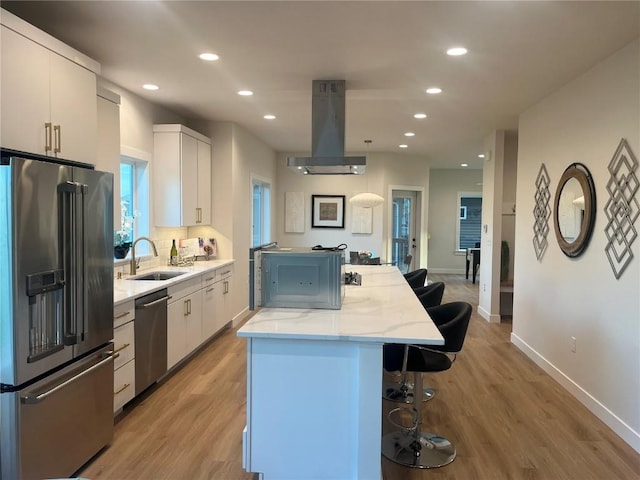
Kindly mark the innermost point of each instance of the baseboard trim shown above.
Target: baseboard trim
(624, 431)
(488, 316)
(452, 271)
(240, 317)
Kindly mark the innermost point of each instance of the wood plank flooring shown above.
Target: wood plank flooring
(506, 417)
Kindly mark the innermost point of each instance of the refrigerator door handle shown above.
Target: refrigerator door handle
(31, 399)
(72, 242)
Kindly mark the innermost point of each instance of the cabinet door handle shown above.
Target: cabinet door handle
(185, 309)
(189, 307)
(226, 287)
(57, 136)
(122, 315)
(47, 137)
(126, 385)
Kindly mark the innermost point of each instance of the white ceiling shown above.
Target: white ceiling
(388, 52)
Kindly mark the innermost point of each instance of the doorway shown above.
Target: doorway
(406, 219)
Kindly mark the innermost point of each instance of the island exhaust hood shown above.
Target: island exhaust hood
(327, 132)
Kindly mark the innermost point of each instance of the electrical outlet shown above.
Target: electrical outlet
(484, 287)
(573, 344)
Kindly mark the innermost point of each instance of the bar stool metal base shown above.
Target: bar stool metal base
(418, 449)
(403, 393)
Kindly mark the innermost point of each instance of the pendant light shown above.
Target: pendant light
(367, 199)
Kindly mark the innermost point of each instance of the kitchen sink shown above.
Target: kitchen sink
(157, 276)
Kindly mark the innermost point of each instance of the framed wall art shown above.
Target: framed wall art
(327, 211)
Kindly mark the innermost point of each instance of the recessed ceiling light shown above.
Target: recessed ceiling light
(434, 90)
(481, 155)
(403, 145)
(456, 51)
(269, 117)
(245, 93)
(209, 57)
(150, 86)
(464, 164)
(409, 134)
(420, 115)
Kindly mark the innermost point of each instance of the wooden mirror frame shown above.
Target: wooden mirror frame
(581, 173)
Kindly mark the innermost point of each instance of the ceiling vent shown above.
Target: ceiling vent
(327, 134)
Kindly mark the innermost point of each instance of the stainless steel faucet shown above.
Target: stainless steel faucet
(134, 265)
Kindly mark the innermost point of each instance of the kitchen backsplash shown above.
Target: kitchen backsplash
(147, 259)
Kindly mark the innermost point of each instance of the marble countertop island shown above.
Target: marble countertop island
(382, 309)
(314, 380)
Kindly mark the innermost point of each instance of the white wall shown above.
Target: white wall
(137, 117)
(237, 155)
(559, 297)
(444, 187)
(383, 170)
(509, 178)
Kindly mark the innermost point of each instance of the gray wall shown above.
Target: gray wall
(444, 186)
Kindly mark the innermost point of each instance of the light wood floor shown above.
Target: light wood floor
(507, 418)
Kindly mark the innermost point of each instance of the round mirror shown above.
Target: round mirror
(575, 209)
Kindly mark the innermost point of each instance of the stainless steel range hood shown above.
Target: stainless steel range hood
(327, 132)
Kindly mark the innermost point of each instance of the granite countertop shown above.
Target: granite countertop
(126, 289)
(382, 309)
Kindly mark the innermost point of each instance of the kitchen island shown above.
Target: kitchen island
(314, 379)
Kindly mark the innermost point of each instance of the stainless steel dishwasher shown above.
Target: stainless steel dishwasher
(150, 326)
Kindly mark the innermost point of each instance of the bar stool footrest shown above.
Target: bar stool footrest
(418, 449)
(397, 392)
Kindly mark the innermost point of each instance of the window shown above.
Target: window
(261, 222)
(134, 199)
(469, 223)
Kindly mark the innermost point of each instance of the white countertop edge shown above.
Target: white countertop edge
(125, 289)
(339, 338)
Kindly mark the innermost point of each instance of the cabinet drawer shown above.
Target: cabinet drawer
(124, 380)
(224, 272)
(123, 313)
(123, 344)
(208, 278)
(185, 288)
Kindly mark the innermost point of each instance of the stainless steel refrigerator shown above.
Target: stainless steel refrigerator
(56, 315)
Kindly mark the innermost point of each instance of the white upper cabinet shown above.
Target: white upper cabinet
(204, 182)
(48, 101)
(182, 176)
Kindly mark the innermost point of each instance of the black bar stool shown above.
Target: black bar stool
(410, 446)
(429, 296)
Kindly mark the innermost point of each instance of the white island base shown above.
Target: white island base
(314, 409)
(314, 380)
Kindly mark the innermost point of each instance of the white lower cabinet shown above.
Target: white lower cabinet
(124, 385)
(225, 277)
(209, 312)
(184, 320)
(216, 310)
(124, 375)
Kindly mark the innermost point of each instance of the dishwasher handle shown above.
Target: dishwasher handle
(155, 302)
